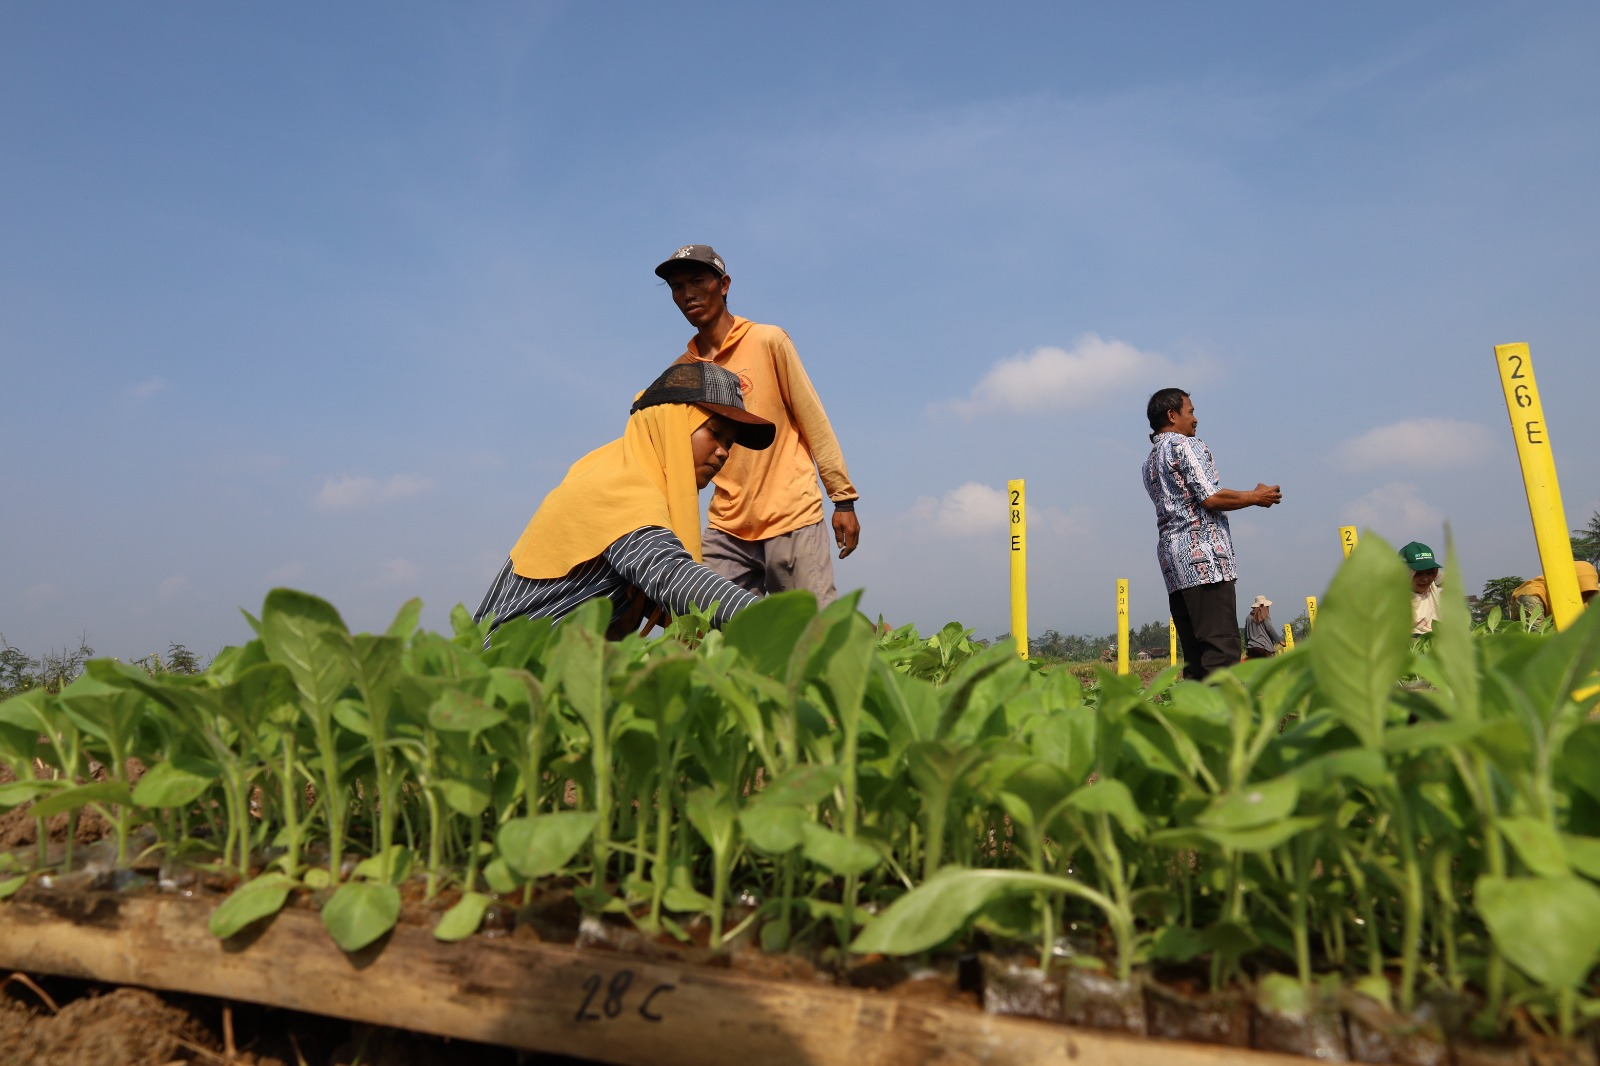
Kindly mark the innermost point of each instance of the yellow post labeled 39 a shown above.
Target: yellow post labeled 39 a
(1122, 625)
(1017, 497)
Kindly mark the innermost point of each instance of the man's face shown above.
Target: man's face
(1183, 420)
(1422, 580)
(700, 293)
(710, 445)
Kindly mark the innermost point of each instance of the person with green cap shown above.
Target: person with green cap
(1424, 586)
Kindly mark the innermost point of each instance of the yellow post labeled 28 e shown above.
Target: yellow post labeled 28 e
(1017, 497)
(1532, 437)
(1122, 625)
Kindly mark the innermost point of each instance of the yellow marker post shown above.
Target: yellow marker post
(1017, 494)
(1288, 637)
(1172, 641)
(1538, 461)
(1347, 539)
(1122, 625)
(1311, 612)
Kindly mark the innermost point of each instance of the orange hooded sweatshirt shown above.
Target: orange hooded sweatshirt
(768, 493)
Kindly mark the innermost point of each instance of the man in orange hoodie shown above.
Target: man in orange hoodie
(766, 529)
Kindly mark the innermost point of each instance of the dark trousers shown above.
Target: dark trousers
(1207, 620)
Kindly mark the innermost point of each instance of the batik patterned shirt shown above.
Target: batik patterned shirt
(1193, 544)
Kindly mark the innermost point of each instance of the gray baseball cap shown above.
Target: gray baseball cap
(703, 254)
(717, 390)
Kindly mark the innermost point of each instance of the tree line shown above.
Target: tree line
(53, 670)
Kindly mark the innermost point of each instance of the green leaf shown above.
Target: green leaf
(458, 712)
(774, 829)
(176, 783)
(70, 799)
(1579, 760)
(399, 858)
(713, 815)
(1536, 844)
(1363, 638)
(836, 852)
(766, 632)
(1110, 796)
(1548, 927)
(359, 912)
(544, 844)
(405, 620)
(683, 897)
(1252, 806)
(470, 798)
(941, 906)
(307, 636)
(1583, 853)
(1363, 766)
(250, 902)
(802, 786)
(16, 793)
(1260, 838)
(11, 885)
(1177, 943)
(462, 920)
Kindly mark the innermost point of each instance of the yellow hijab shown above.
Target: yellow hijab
(644, 479)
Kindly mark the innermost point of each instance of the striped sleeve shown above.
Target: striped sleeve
(655, 560)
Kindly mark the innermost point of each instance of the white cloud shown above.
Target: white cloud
(1419, 443)
(286, 574)
(975, 509)
(1398, 512)
(147, 388)
(42, 593)
(173, 587)
(397, 572)
(1055, 379)
(351, 491)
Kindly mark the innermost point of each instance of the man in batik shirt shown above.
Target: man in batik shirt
(1193, 544)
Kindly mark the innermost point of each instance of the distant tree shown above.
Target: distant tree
(1586, 541)
(180, 660)
(1496, 593)
(1300, 626)
(58, 669)
(18, 671)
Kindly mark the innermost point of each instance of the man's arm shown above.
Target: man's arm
(1238, 499)
(805, 408)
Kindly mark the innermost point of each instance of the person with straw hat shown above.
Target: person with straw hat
(1260, 642)
(625, 521)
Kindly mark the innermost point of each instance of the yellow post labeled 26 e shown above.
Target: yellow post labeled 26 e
(1122, 625)
(1532, 437)
(1017, 495)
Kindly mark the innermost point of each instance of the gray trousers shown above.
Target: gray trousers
(799, 560)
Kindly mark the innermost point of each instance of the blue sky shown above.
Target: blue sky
(330, 296)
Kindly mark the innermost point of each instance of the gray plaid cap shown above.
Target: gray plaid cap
(717, 390)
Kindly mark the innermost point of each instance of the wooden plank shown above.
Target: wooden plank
(593, 1004)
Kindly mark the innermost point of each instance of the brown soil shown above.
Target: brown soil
(20, 829)
(53, 1021)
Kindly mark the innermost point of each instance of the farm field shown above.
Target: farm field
(1362, 848)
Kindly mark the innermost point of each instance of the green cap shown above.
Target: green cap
(1419, 556)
